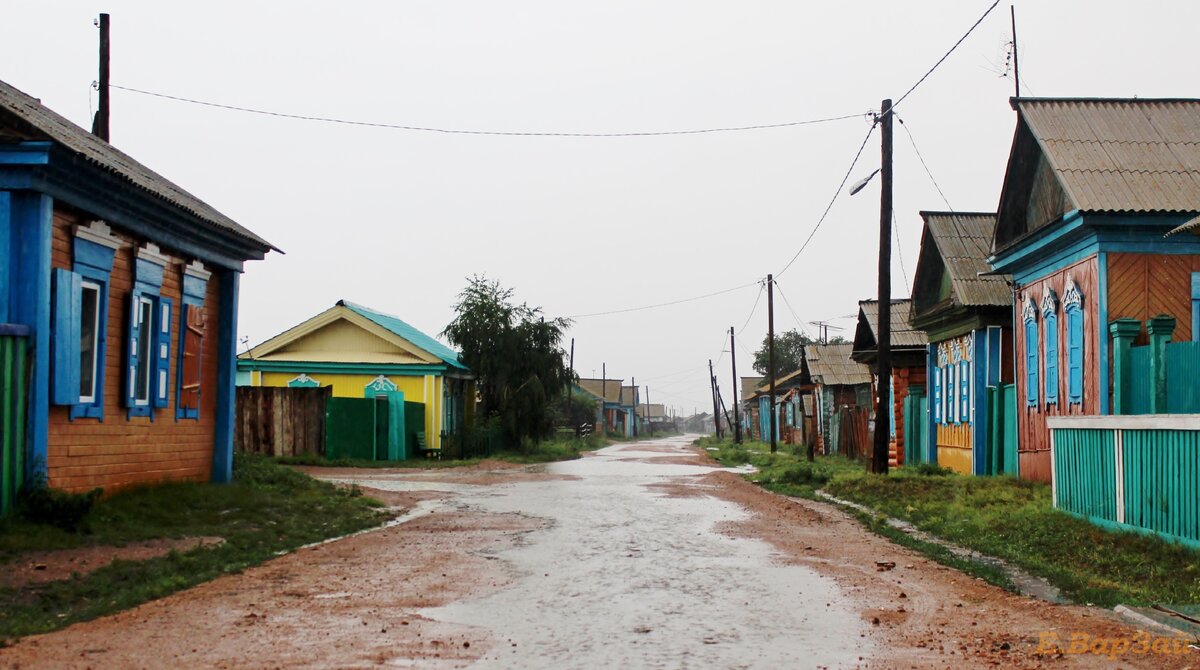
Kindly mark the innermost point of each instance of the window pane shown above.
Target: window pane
(142, 391)
(89, 328)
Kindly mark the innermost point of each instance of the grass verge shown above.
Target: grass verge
(266, 510)
(1004, 517)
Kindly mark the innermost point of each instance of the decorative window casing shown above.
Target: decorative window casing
(378, 386)
(193, 325)
(1029, 315)
(80, 322)
(147, 360)
(1196, 306)
(303, 381)
(1050, 327)
(1073, 309)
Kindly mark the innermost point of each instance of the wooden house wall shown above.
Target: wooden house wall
(122, 451)
(1033, 438)
(1141, 286)
(902, 379)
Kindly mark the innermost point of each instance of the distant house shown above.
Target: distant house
(610, 403)
(908, 365)
(364, 353)
(1093, 187)
(751, 428)
(967, 313)
(118, 313)
(843, 392)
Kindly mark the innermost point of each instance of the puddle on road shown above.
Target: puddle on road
(628, 577)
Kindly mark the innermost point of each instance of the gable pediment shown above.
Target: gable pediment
(339, 335)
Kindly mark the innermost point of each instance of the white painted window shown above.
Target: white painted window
(89, 341)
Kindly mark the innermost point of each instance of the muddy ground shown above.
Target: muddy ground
(643, 555)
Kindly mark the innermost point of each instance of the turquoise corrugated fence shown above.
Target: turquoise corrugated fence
(1085, 473)
(1162, 470)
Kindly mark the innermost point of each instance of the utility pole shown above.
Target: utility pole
(883, 410)
(712, 380)
(737, 393)
(604, 399)
(633, 383)
(571, 388)
(100, 121)
(1016, 66)
(649, 423)
(771, 353)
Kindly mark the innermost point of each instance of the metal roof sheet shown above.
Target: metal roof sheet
(1121, 155)
(398, 327)
(750, 386)
(903, 335)
(47, 124)
(830, 364)
(611, 387)
(963, 240)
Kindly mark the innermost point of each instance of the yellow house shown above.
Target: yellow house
(363, 353)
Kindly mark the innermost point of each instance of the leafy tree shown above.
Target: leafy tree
(788, 352)
(516, 354)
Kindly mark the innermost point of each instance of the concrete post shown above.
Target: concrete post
(1160, 329)
(1124, 332)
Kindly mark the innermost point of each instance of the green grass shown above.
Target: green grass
(266, 510)
(1003, 517)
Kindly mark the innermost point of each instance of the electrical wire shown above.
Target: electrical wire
(791, 309)
(832, 200)
(501, 133)
(900, 252)
(974, 241)
(662, 304)
(762, 286)
(945, 55)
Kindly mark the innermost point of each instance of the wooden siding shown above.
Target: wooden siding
(1141, 286)
(902, 379)
(280, 421)
(954, 450)
(1033, 437)
(121, 452)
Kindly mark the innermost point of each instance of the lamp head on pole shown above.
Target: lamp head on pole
(862, 183)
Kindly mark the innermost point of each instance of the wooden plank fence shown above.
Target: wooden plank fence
(275, 421)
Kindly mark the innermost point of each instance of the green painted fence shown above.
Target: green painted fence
(1131, 472)
(916, 409)
(1183, 377)
(14, 403)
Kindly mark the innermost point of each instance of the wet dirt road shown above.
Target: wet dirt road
(641, 555)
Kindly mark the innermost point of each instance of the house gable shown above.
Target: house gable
(1032, 196)
(340, 335)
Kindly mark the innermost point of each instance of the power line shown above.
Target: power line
(502, 133)
(953, 214)
(662, 304)
(832, 200)
(791, 309)
(945, 55)
(900, 251)
(761, 288)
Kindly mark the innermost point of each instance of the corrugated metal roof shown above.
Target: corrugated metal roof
(1193, 225)
(653, 410)
(963, 240)
(611, 387)
(1121, 155)
(629, 395)
(830, 364)
(903, 335)
(48, 125)
(406, 331)
(750, 386)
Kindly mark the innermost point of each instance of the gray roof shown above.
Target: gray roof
(903, 335)
(750, 386)
(964, 240)
(1120, 155)
(1193, 225)
(611, 388)
(830, 364)
(38, 122)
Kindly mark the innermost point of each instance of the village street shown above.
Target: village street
(642, 555)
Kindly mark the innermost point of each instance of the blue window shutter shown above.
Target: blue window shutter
(937, 395)
(1074, 355)
(65, 349)
(964, 391)
(1031, 363)
(1196, 306)
(1051, 326)
(131, 350)
(162, 344)
(948, 395)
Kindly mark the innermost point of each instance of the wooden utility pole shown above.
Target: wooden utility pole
(712, 380)
(883, 410)
(771, 354)
(634, 418)
(649, 423)
(737, 393)
(100, 121)
(571, 388)
(1016, 66)
(604, 399)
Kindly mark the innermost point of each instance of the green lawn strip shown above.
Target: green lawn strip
(547, 451)
(268, 509)
(1003, 517)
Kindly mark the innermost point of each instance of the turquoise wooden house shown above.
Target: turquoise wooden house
(1106, 305)
(966, 311)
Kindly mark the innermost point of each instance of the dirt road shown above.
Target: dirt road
(640, 556)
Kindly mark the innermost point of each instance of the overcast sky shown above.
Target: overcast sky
(396, 220)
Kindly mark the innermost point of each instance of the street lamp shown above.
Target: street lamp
(862, 183)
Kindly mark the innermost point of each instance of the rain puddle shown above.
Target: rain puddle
(625, 576)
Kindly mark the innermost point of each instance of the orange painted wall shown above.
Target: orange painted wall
(1141, 286)
(120, 452)
(1033, 438)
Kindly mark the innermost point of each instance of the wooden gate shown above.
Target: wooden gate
(916, 409)
(14, 411)
(276, 421)
(853, 437)
(1002, 430)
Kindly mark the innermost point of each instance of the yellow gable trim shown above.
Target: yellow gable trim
(280, 347)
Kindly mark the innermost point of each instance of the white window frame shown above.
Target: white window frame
(92, 285)
(145, 356)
